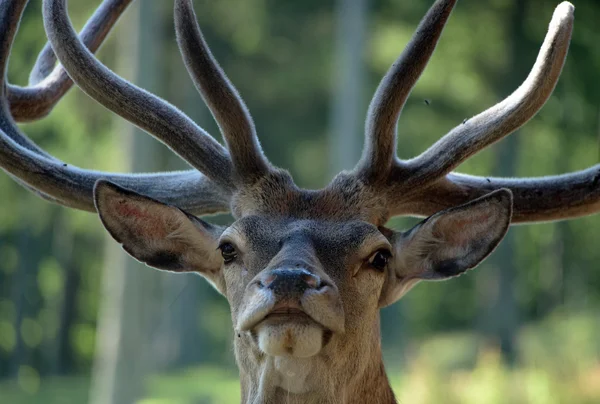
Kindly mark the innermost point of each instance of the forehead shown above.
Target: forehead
(263, 230)
(346, 200)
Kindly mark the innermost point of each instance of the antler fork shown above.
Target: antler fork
(425, 184)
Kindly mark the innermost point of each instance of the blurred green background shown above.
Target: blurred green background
(81, 322)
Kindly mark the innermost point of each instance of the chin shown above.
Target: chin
(301, 338)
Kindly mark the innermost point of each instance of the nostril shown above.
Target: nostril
(268, 280)
(323, 285)
(312, 281)
(289, 281)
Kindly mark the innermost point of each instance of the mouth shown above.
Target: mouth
(287, 312)
(316, 310)
(291, 327)
(288, 330)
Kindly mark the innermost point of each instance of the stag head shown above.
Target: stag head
(305, 271)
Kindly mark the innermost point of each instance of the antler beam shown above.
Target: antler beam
(535, 199)
(73, 187)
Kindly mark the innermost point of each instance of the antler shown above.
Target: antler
(534, 199)
(72, 186)
(426, 182)
(138, 106)
(389, 99)
(224, 102)
(222, 171)
(505, 117)
(47, 83)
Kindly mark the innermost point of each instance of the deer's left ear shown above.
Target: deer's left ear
(160, 235)
(448, 243)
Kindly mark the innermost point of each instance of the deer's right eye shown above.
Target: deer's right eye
(380, 259)
(228, 252)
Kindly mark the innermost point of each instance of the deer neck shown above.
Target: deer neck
(352, 376)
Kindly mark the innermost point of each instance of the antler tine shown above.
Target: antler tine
(226, 105)
(70, 186)
(505, 117)
(92, 35)
(535, 199)
(389, 99)
(138, 106)
(47, 83)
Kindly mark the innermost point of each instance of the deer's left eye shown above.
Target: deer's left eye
(380, 259)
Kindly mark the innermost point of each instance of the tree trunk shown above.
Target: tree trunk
(501, 307)
(23, 284)
(61, 355)
(187, 293)
(128, 311)
(347, 113)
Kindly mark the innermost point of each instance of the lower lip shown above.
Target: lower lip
(288, 318)
(294, 318)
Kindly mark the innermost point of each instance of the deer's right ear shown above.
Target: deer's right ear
(160, 235)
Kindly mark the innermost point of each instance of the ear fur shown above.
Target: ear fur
(448, 243)
(160, 235)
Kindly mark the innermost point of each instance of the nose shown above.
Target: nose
(285, 282)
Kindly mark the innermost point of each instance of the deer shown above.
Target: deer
(305, 272)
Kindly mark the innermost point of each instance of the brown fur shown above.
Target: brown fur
(331, 234)
(346, 197)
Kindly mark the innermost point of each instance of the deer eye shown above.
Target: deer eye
(228, 252)
(380, 259)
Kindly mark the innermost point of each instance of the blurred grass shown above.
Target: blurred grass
(559, 363)
(198, 386)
